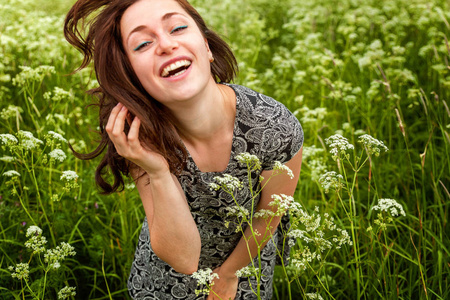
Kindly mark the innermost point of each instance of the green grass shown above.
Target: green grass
(341, 66)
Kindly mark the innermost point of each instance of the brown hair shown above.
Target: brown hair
(119, 83)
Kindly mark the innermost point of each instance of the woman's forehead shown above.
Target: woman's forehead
(145, 12)
(152, 8)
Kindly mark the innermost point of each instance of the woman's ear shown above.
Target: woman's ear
(210, 55)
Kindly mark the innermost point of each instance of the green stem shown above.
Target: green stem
(40, 200)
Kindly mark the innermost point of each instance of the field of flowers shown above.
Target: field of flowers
(370, 83)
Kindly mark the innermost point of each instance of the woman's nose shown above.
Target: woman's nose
(166, 45)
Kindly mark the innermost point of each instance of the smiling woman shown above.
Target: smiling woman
(170, 118)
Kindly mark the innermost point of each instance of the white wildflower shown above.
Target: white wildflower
(390, 205)
(247, 271)
(372, 145)
(58, 94)
(11, 111)
(56, 265)
(204, 276)
(252, 161)
(343, 239)
(237, 211)
(54, 256)
(28, 141)
(302, 259)
(299, 234)
(296, 208)
(264, 214)
(130, 186)
(8, 139)
(278, 167)
(331, 180)
(214, 186)
(11, 173)
(21, 271)
(226, 182)
(314, 296)
(66, 292)
(57, 136)
(58, 155)
(282, 203)
(359, 132)
(29, 74)
(36, 241)
(69, 176)
(338, 145)
(33, 230)
(7, 159)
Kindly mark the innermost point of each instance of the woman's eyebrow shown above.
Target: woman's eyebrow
(164, 18)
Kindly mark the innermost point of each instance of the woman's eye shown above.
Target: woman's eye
(178, 28)
(142, 45)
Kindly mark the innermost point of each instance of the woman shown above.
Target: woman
(169, 118)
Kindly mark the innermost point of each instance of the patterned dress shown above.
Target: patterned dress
(263, 127)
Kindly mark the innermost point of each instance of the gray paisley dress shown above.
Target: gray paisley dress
(263, 127)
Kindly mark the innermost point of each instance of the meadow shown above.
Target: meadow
(347, 69)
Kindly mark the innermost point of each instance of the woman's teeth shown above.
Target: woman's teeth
(175, 69)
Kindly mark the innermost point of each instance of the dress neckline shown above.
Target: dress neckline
(196, 168)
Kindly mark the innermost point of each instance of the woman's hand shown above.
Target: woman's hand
(225, 287)
(129, 146)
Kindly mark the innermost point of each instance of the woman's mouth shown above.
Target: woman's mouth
(176, 69)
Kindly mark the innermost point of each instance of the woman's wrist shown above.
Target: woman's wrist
(162, 173)
(227, 273)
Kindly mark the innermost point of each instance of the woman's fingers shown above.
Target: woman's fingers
(112, 118)
(119, 124)
(115, 129)
(133, 133)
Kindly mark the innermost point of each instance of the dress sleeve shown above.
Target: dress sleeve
(282, 138)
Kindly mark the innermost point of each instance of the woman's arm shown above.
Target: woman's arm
(226, 285)
(173, 233)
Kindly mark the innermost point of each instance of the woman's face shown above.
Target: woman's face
(166, 49)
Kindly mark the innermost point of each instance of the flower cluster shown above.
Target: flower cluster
(252, 161)
(11, 111)
(36, 241)
(8, 159)
(11, 173)
(57, 137)
(29, 74)
(237, 211)
(58, 94)
(278, 168)
(57, 155)
(339, 145)
(21, 271)
(247, 271)
(54, 256)
(390, 205)
(282, 203)
(331, 180)
(8, 139)
(227, 182)
(319, 234)
(314, 296)
(66, 292)
(28, 141)
(71, 180)
(206, 278)
(372, 145)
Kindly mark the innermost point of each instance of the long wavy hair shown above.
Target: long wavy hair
(93, 27)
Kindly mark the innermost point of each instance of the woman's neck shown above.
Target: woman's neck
(210, 115)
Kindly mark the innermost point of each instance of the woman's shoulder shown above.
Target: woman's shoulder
(269, 122)
(252, 96)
